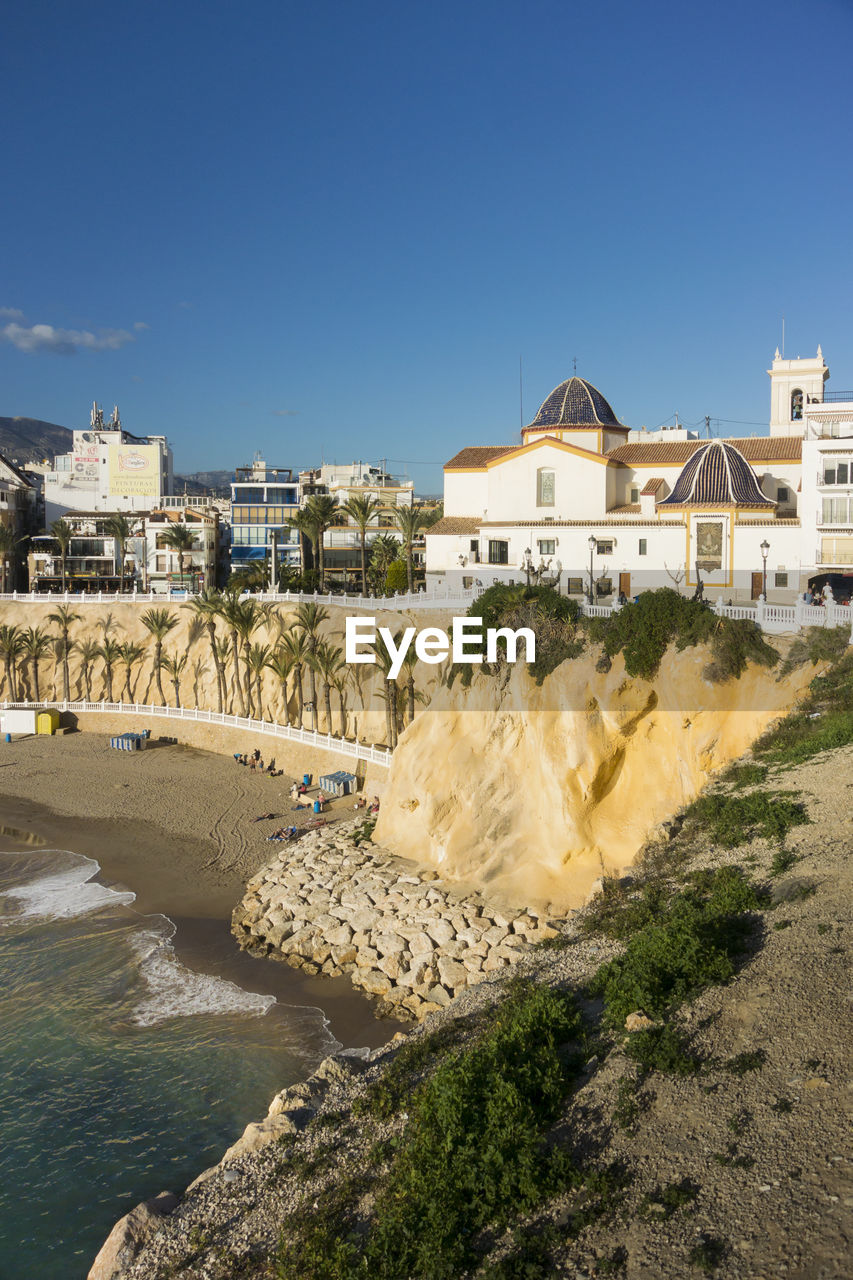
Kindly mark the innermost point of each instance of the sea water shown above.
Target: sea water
(122, 1072)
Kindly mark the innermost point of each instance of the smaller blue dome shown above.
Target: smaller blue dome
(717, 475)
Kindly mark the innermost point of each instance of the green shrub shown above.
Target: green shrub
(691, 947)
(472, 1155)
(642, 632)
(552, 618)
(620, 910)
(396, 579)
(473, 1152)
(663, 1202)
(745, 775)
(799, 736)
(814, 645)
(661, 1049)
(708, 1253)
(733, 820)
(783, 860)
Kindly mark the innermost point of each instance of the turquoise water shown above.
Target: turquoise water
(122, 1072)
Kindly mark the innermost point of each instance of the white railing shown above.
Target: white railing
(325, 741)
(402, 600)
(770, 617)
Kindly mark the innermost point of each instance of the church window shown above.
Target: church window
(544, 487)
(796, 405)
(782, 494)
(498, 551)
(635, 495)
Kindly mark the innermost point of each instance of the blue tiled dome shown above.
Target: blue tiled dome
(717, 475)
(575, 403)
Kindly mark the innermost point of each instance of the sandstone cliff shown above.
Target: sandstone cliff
(534, 792)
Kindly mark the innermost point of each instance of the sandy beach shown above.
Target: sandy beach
(176, 825)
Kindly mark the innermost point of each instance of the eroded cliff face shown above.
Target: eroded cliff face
(535, 792)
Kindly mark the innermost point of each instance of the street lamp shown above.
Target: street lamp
(528, 564)
(765, 547)
(592, 544)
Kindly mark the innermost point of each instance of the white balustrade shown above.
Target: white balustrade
(325, 741)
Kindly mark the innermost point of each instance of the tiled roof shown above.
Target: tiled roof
(476, 456)
(645, 522)
(575, 403)
(651, 486)
(454, 524)
(717, 474)
(630, 509)
(677, 452)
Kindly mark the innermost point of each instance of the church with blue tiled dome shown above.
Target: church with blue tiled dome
(605, 510)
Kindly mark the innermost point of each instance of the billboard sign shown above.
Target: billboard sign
(134, 469)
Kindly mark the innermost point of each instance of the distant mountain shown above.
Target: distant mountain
(31, 440)
(198, 482)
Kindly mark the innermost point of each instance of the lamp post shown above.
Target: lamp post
(528, 564)
(592, 545)
(765, 547)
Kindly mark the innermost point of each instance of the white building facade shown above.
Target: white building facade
(108, 469)
(586, 503)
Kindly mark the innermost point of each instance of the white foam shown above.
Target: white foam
(61, 895)
(177, 992)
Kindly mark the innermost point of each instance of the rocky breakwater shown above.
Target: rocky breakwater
(329, 905)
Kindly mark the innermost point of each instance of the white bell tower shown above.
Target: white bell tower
(793, 383)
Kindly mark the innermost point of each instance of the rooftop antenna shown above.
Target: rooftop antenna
(575, 364)
(783, 337)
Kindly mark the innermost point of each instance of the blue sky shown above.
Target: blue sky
(335, 227)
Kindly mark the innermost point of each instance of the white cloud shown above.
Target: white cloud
(286, 413)
(63, 342)
(11, 313)
(139, 325)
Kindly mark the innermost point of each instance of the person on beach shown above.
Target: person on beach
(263, 817)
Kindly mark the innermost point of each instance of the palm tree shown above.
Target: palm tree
(340, 683)
(388, 691)
(63, 617)
(118, 527)
(221, 654)
(130, 652)
(8, 554)
(62, 533)
(109, 652)
(410, 522)
(174, 665)
(246, 619)
(306, 526)
(88, 649)
(36, 644)
(230, 612)
(249, 577)
(11, 645)
(257, 659)
(325, 512)
(413, 695)
(179, 538)
(281, 664)
(207, 607)
(361, 510)
(296, 646)
(159, 622)
(383, 552)
(309, 618)
(327, 661)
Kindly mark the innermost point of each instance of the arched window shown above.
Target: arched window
(796, 405)
(544, 487)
